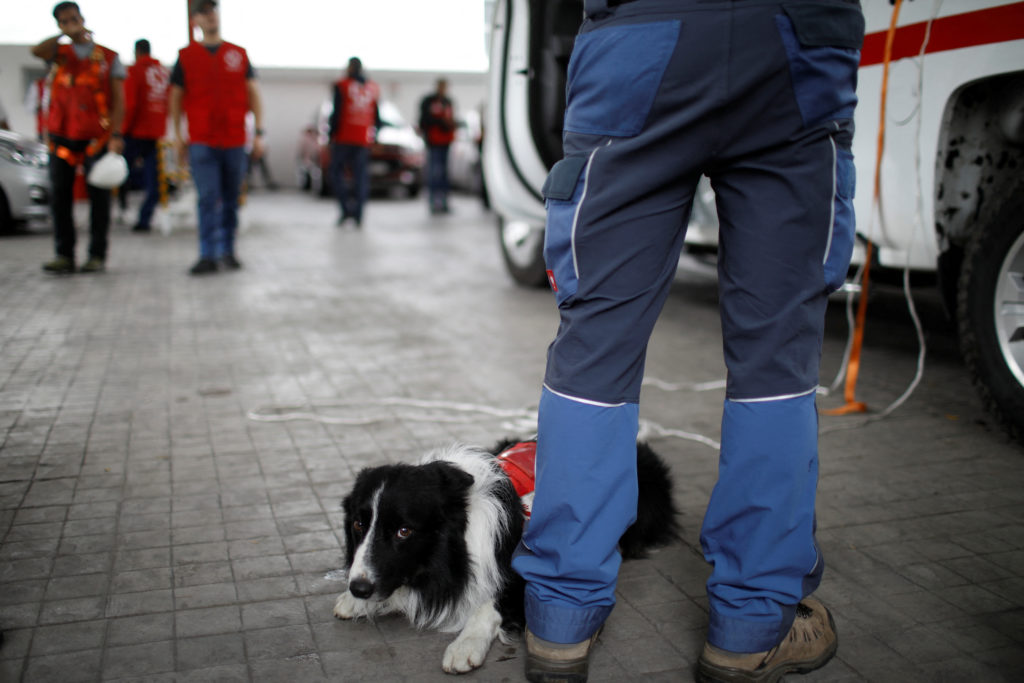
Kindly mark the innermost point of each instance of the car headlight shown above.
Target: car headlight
(24, 157)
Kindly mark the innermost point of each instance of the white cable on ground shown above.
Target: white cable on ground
(670, 386)
(516, 421)
(650, 429)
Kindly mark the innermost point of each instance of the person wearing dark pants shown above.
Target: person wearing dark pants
(349, 171)
(138, 150)
(437, 125)
(218, 175)
(145, 122)
(759, 96)
(62, 177)
(214, 83)
(83, 121)
(351, 131)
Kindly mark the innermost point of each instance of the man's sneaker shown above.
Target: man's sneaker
(230, 262)
(204, 266)
(548, 662)
(61, 265)
(139, 227)
(810, 643)
(93, 265)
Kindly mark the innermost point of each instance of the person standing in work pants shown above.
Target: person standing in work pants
(352, 129)
(759, 96)
(214, 83)
(437, 125)
(83, 121)
(145, 122)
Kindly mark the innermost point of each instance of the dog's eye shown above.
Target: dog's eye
(404, 532)
(357, 526)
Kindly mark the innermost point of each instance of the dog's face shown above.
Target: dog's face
(404, 523)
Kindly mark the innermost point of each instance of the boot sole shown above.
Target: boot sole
(539, 670)
(709, 673)
(544, 670)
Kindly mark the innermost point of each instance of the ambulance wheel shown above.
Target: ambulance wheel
(522, 246)
(990, 308)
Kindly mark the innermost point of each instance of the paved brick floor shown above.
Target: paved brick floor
(161, 520)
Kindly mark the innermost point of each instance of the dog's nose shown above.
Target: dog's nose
(361, 588)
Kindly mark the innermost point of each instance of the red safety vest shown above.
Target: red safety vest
(79, 106)
(358, 119)
(216, 97)
(145, 99)
(440, 135)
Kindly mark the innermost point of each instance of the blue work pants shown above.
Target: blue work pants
(437, 176)
(217, 174)
(146, 150)
(350, 178)
(759, 96)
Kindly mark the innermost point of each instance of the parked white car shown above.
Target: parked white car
(464, 172)
(951, 201)
(24, 181)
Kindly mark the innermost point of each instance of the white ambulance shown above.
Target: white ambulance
(951, 173)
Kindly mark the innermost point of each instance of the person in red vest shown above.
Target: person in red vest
(214, 83)
(437, 125)
(145, 122)
(352, 127)
(83, 121)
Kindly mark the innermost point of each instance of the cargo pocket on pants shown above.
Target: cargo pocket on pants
(563, 191)
(822, 44)
(843, 228)
(614, 75)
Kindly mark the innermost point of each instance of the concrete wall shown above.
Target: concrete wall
(291, 98)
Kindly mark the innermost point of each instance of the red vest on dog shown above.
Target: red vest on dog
(145, 99)
(216, 94)
(80, 94)
(518, 462)
(358, 114)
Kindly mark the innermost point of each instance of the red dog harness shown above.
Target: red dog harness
(518, 462)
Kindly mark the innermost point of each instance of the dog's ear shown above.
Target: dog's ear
(454, 479)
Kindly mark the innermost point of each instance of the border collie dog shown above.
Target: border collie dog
(434, 541)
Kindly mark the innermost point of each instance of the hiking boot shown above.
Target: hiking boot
(61, 265)
(93, 265)
(810, 643)
(548, 662)
(203, 266)
(230, 262)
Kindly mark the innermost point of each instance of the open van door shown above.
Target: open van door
(531, 41)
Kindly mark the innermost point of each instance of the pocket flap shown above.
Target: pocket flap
(827, 25)
(561, 181)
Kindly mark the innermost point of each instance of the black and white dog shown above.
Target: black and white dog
(434, 541)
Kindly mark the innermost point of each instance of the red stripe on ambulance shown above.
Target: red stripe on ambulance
(981, 27)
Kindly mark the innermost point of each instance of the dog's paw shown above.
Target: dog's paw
(349, 607)
(465, 654)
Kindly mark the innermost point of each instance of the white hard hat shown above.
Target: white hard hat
(109, 172)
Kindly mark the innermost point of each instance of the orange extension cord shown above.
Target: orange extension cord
(853, 366)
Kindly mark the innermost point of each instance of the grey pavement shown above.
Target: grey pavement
(173, 452)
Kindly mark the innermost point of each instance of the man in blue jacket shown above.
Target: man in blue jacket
(759, 96)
